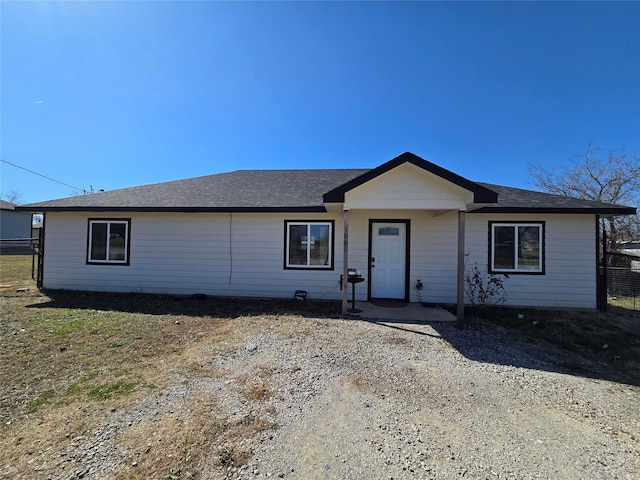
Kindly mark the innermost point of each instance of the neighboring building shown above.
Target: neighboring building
(631, 250)
(36, 228)
(13, 225)
(267, 233)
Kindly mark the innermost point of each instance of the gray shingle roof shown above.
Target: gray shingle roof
(4, 205)
(298, 190)
(518, 200)
(240, 190)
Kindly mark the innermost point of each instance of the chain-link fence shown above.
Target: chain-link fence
(623, 281)
(25, 247)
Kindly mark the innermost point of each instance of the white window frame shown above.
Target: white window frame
(109, 221)
(516, 269)
(308, 224)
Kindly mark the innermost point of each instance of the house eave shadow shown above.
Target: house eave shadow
(493, 344)
(196, 305)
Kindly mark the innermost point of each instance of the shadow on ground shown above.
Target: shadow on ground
(566, 346)
(485, 342)
(196, 305)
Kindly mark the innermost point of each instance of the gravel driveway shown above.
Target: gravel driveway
(357, 399)
(353, 399)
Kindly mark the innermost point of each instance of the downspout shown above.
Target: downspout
(345, 262)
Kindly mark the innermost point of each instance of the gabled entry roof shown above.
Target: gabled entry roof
(480, 194)
(304, 191)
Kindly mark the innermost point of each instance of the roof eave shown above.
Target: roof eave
(560, 210)
(308, 209)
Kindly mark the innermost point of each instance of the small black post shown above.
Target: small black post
(605, 261)
(33, 258)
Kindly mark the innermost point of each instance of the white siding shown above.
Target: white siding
(570, 260)
(432, 251)
(215, 254)
(407, 187)
(242, 255)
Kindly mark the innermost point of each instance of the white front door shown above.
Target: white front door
(388, 259)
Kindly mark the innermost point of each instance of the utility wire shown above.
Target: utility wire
(44, 176)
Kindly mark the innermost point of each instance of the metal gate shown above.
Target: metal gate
(27, 246)
(618, 276)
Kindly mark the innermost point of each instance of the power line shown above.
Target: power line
(43, 176)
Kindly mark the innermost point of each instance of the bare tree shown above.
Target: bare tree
(612, 178)
(13, 196)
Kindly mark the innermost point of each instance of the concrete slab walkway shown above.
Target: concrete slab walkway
(411, 312)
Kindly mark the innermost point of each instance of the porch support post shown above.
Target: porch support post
(345, 263)
(460, 278)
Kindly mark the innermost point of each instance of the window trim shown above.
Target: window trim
(127, 249)
(308, 223)
(516, 224)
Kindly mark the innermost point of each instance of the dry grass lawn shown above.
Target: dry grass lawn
(71, 358)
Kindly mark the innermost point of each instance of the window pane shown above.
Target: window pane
(319, 245)
(503, 247)
(98, 241)
(298, 244)
(389, 231)
(529, 248)
(117, 235)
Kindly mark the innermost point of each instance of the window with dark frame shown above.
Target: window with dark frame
(308, 245)
(516, 247)
(108, 241)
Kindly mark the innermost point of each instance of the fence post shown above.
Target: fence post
(605, 280)
(40, 276)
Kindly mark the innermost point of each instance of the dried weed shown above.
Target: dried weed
(395, 340)
(255, 387)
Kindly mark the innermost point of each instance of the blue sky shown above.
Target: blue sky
(117, 94)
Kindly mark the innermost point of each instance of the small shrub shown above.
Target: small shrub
(484, 289)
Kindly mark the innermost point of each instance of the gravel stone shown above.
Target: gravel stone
(352, 399)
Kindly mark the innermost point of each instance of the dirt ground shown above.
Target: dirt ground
(114, 386)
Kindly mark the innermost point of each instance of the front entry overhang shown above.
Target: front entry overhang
(346, 213)
(409, 183)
